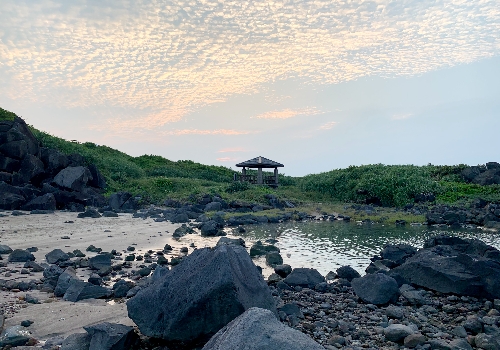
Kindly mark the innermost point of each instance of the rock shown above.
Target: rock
(97, 180)
(99, 261)
(64, 281)
(201, 295)
(304, 277)
(80, 290)
(73, 178)
(213, 206)
(109, 214)
(460, 344)
(182, 231)
(488, 341)
(121, 288)
(209, 228)
(473, 326)
(259, 329)
(53, 160)
(5, 249)
(397, 332)
(55, 256)
(455, 265)
(11, 198)
(111, 336)
(14, 336)
(283, 270)
(258, 249)
(273, 259)
(32, 169)
(89, 213)
(394, 312)
(45, 202)
(377, 288)
(347, 273)
(122, 201)
(235, 241)
(95, 279)
(398, 253)
(51, 275)
(21, 255)
(414, 340)
(291, 309)
(77, 341)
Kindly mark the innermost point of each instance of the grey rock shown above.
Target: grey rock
(283, 270)
(209, 228)
(14, 336)
(77, 341)
(395, 312)
(80, 290)
(348, 273)
(45, 202)
(473, 326)
(258, 249)
(488, 342)
(111, 336)
(100, 261)
(397, 332)
(227, 240)
(376, 288)
(304, 277)
(194, 300)
(21, 255)
(273, 259)
(213, 206)
(5, 249)
(414, 340)
(460, 344)
(259, 329)
(73, 178)
(64, 281)
(398, 253)
(55, 256)
(291, 309)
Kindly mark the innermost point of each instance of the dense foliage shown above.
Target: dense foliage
(6, 115)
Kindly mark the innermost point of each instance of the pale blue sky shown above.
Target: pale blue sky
(315, 85)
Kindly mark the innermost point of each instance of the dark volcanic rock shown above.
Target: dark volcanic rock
(122, 201)
(45, 202)
(73, 178)
(5, 249)
(80, 290)
(111, 336)
(64, 281)
(303, 277)
(455, 265)
(76, 341)
(259, 329)
(97, 180)
(260, 249)
(21, 255)
(398, 253)
(53, 160)
(348, 273)
(201, 295)
(55, 256)
(377, 288)
(99, 261)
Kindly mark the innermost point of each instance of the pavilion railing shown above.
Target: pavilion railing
(266, 180)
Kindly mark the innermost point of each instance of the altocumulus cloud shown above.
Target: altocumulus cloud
(170, 58)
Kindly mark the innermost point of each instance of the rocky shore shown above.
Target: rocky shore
(443, 296)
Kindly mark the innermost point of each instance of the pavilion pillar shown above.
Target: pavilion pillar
(244, 171)
(259, 176)
(275, 176)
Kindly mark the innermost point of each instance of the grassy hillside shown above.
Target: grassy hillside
(156, 178)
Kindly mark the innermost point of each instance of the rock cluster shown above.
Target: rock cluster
(36, 178)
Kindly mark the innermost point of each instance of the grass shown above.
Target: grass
(155, 179)
(6, 115)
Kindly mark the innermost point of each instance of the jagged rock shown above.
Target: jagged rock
(89, 213)
(283, 270)
(51, 275)
(64, 281)
(258, 249)
(73, 178)
(235, 241)
(31, 169)
(53, 160)
(5, 249)
(398, 253)
(77, 341)
(273, 259)
(182, 231)
(121, 288)
(8, 164)
(209, 228)
(97, 180)
(259, 329)
(80, 290)
(111, 336)
(377, 288)
(194, 300)
(303, 277)
(99, 261)
(45, 202)
(55, 256)
(122, 201)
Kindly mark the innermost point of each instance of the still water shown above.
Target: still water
(329, 245)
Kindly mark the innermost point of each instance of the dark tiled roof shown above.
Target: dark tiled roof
(260, 162)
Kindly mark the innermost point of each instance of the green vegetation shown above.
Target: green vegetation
(156, 179)
(6, 115)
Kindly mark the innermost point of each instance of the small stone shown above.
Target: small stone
(414, 340)
(394, 312)
(397, 332)
(460, 331)
(26, 323)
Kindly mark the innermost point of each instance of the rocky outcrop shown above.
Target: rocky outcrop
(488, 174)
(259, 329)
(206, 291)
(38, 178)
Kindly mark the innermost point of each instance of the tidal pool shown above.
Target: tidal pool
(326, 246)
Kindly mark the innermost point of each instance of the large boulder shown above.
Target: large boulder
(377, 288)
(32, 168)
(347, 272)
(304, 277)
(21, 255)
(53, 160)
(111, 336)
(259, 329)
(207, 290)
(8, 164)
(45, 202)
(73, 178)
(455, 265)
(398, 252)
(98, 179)
(122, 200)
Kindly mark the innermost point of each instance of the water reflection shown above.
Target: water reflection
(329, 245)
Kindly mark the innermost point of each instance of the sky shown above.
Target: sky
(316, 85)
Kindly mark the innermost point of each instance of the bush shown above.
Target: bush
(237, 186)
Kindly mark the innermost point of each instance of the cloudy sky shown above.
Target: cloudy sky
(315, 85)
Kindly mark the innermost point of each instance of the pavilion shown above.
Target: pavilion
(259, 163)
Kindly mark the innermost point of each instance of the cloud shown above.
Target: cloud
(288, 113)
(328, 126)
(227, 159)
(207, 132)
(178, 57)
(402, 116)
(232, 150)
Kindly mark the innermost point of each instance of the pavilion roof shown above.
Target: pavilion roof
(260, 162)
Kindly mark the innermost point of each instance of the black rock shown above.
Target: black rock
(5, 249)
(121, 288)
(55, 256)
(99, 261)
(210, 228)
(377, 288)
(111, 336)
(64, 281)
(258, 249)
(80, 290)
(90, 213)
(283, 270)
(347, 272)
(73, 178)
(303, 277)
(398, 252)
(77, 341)
(235, 241)
(21, 255)
(198, 297)
(273, 259)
